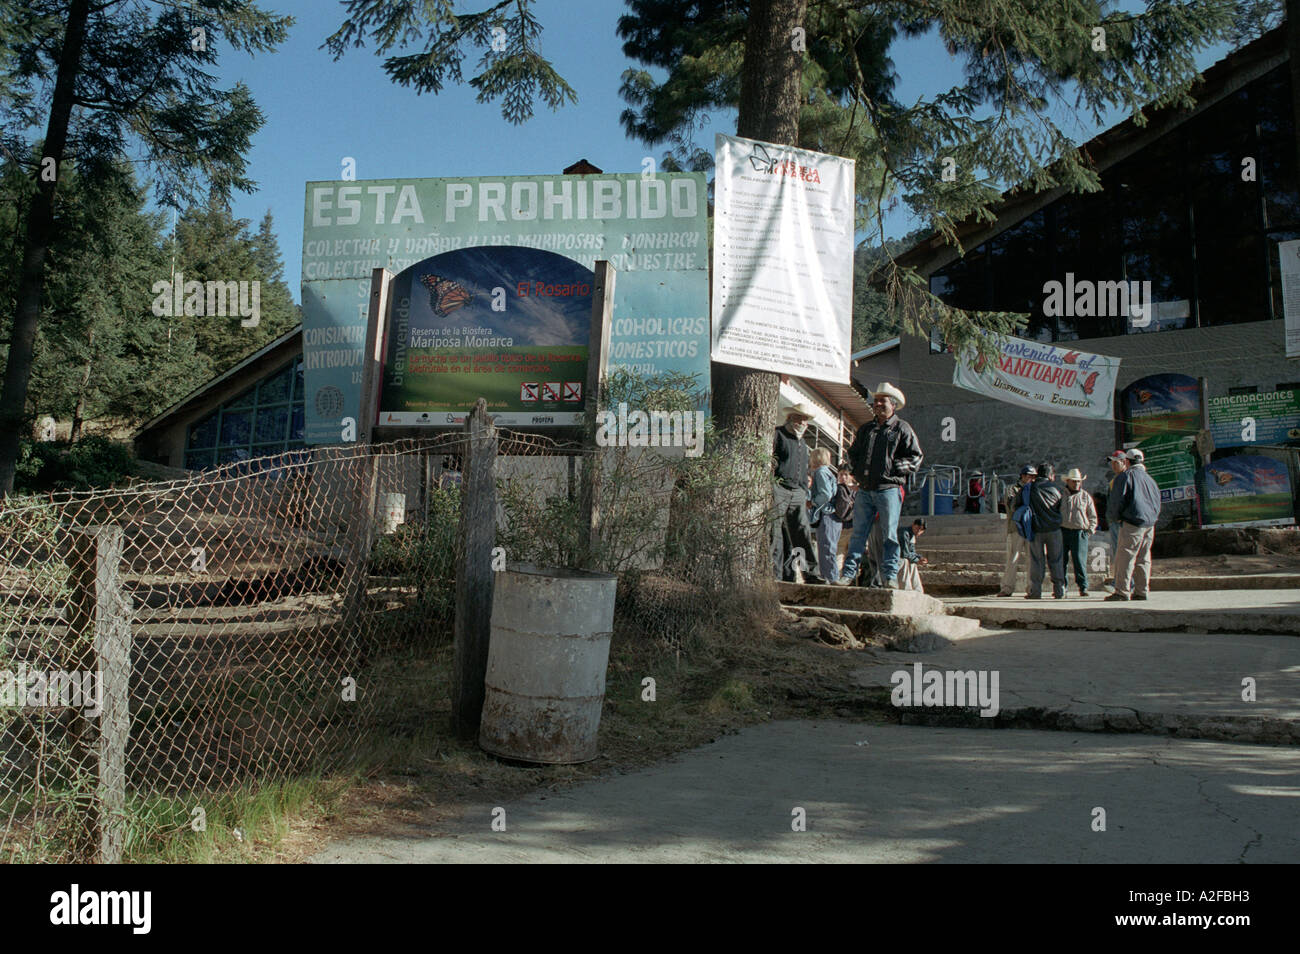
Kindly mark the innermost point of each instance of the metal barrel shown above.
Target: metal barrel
(547, 657)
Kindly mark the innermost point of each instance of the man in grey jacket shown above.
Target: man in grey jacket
(1046, 549)
(1135, 506)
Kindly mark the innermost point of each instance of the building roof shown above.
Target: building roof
(844, 397)
(1106, 149)
(197, 393)
(875, 349)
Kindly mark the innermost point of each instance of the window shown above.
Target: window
(1085, 246)
(1230, 255)
(1276, 147)
(265, 419)
(962, 283)
(1018, 261)
(1275, 239)
(1155, 229)
(1176, 214)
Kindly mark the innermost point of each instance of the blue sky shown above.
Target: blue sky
(319, 111)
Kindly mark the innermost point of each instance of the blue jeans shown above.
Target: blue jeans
(866, 505)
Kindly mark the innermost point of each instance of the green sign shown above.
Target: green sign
(1170, 460)
(1240, 491)
(1162, 404)
(505, 323)
(653, 229)
(1240, 420)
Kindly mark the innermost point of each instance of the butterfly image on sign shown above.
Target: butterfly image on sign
(761, 160)
(445, 296)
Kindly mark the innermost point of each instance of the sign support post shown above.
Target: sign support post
(602, 319)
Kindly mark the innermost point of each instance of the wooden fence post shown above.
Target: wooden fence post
(602, 317)
(99, 612)
(477, 533)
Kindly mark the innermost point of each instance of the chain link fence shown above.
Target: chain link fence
(277, 617)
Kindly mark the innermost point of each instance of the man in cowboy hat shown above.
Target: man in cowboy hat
(1135, 506)
(791, 535)
(885, 453)
(1078, 523)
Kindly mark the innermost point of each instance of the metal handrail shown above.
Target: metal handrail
(934, 475)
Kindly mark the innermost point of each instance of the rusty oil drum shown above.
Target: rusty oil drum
(546, 663)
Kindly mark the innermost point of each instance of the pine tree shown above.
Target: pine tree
(212, 245)
(1021, 58)
(100, 352)
(101, 78)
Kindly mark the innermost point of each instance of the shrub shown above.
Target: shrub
(94, 461)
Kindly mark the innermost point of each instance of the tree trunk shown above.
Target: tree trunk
(744, 400)
(40, 230)
(79, 413)
(1293, 56)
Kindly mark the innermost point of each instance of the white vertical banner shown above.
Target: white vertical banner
(783, 259)
(1289, 256)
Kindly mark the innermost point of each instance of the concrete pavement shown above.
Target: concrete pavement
(1163, 683)
(876, 793)
(1215, 611)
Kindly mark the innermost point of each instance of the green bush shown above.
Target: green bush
(91, 462)
(423, 556)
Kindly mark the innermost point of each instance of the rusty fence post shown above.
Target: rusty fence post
(99, 617)
(476, 537)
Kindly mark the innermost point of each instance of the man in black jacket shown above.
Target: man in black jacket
(1045, 497)
(791, 536)
(884, 454)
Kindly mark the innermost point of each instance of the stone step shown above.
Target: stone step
(961, 545)
(963, 555)
(861, 598)
(912, 633)
(962, 524)
(1253, 581)
(1214, 611)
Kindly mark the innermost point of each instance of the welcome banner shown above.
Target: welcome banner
(1045, 377)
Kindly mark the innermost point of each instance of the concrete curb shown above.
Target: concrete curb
(1078, 614)
(1112, 719)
